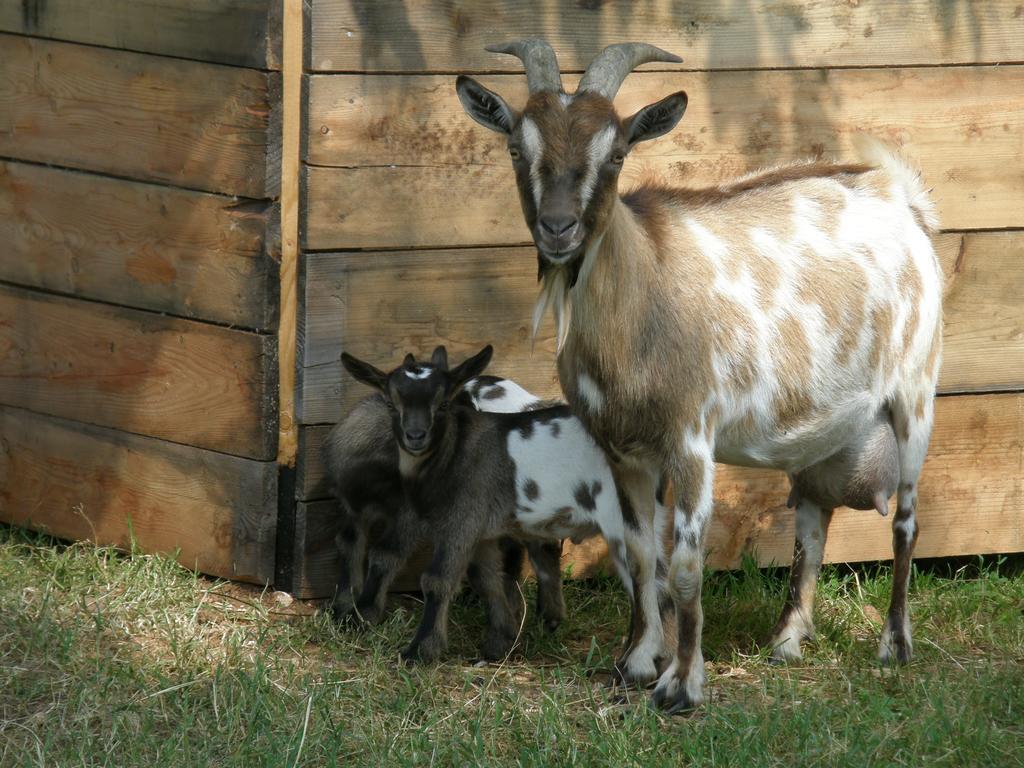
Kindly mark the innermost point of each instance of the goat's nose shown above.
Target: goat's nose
(559, 225)
(415, 435)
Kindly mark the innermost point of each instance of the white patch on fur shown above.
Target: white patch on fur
(590, 393)
(597, 153)
(565, 98)
(419, 372)
(408, 465)
(514, 400)
(533, 146)
(559, 465)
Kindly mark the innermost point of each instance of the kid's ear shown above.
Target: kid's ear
(409, 360)
(469, 369)
(484, 106)
(440, 358)
(364, 372)
(656, 119)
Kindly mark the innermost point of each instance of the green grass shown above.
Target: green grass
(124, 660)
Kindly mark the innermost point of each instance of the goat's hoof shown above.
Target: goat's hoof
(674, 695)
(786, 651)
(424, 652)
(341, 612)
(497, 645)
(551, 624)
(681, 704)
(895, 650)
(631, 673)
(551, 619)
(370, 615)
(677, 703)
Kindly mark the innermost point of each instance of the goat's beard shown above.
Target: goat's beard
(555, 284)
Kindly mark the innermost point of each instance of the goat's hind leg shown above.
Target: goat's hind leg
(797, 620)
(385, 559)
(912, 421)
(351, 546)
(489, 574)
(546, 560)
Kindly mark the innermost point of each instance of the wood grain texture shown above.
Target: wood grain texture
(191, 254)
(88, 483)
(291, 75)
(390, 35)
(970, 502)
(984, 311)
(140, 372)
(395, 162)
(380, 305)
(203, 126)
(245, 33)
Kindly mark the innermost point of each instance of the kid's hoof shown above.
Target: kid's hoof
(551, 623)
(370, 614)
(424, 652)
(496, 647)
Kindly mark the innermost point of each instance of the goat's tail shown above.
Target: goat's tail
(882, 155)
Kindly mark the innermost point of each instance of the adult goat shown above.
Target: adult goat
(759, 323)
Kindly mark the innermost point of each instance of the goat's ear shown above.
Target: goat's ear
(440, 358)
(469, 369)
(656, 119)
(409, 360)
(364, 372)
(484, 106)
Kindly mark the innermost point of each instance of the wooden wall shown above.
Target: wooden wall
(139, 275)
(412, 236)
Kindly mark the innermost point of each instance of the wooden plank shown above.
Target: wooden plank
(140, 372)
(245, 33)
(186, 253)
(88, 483)
(395, 162)
(311, 477)
(390, 35)
(288, 438)
(970, 503)
(204, 126)
(983, 311)
(381, 305)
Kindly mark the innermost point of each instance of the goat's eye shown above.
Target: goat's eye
(617, 158)
(443, 405)
(390, 405)
(513, 152)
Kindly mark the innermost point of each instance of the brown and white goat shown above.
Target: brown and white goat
(758, 323)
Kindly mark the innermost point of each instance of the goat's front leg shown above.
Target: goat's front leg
(797, 620)
(439, 583)
(638, 664)
(681, 686)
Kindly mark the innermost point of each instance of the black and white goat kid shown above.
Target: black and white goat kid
(475, 477)
(378, 530)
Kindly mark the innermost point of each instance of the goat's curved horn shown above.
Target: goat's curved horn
(610, 67)
(539, 61)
